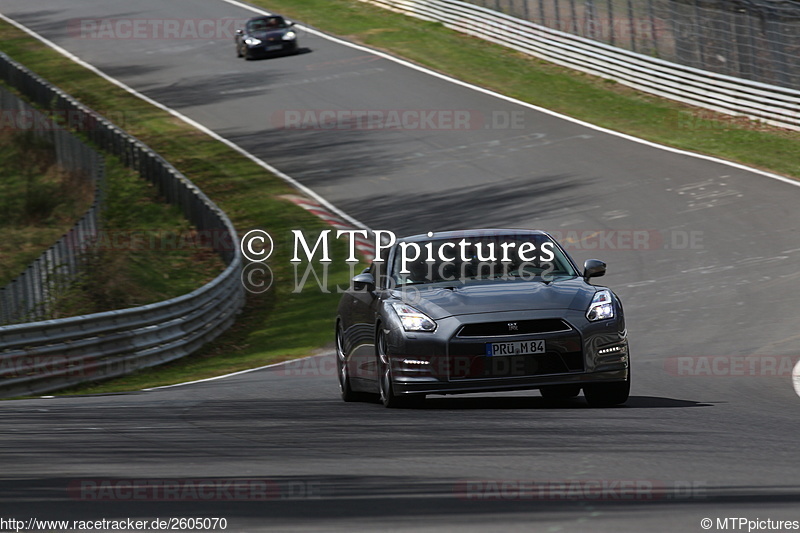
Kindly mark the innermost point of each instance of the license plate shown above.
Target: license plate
(498, 349)
(274, 47)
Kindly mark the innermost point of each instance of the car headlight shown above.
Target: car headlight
(252, 41)
(413, 319)
(602, 306)
(289, 36)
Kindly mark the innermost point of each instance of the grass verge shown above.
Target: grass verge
(42, 201)
(145, 252)
(39, 200)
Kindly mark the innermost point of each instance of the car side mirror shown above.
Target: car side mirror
(593, 268)
(240, 31)
(364, 282)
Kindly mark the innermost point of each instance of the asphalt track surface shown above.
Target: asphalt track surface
(717, 438)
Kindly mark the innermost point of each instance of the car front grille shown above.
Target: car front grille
(509, 328)
(467, 359)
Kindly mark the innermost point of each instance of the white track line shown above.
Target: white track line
(796, 378)
(408, 64)
(240, 372)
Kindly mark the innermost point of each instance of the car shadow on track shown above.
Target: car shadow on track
(299, 51)
(534, 402)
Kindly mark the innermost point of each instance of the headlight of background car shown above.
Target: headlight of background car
(413, 319)
(602, 306)
(252, 41)
(289, 36)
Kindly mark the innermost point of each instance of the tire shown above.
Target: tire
(387, 396)
(607, 394)
(348, 394)
(560, 392)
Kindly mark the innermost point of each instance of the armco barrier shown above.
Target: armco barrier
(756, 40)
(771, 104)
(39, 357)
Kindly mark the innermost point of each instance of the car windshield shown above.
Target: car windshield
(487, 257)
(265, 24)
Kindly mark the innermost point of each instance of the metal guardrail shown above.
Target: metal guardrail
(28, 297)
(43, 356)
(756, 40)
(771, 104)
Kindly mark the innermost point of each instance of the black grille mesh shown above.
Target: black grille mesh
(521, 327)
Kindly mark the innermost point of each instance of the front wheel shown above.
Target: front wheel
(347, 392)
(388, 397)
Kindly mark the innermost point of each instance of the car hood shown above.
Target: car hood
(492, 297)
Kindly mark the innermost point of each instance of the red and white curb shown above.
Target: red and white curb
(364, 245)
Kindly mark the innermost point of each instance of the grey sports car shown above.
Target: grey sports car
(480, 311)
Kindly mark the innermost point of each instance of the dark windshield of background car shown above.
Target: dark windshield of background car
(422, 272)
(266, 24)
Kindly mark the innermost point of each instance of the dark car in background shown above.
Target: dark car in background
(265, 36)
(481, 311)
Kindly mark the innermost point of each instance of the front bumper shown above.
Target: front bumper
(447, 362)
(267, 48)
(419, 385)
